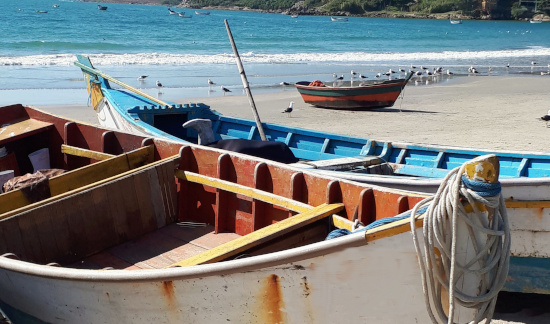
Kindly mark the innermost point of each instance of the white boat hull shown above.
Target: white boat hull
(529, 221)
(328, 282)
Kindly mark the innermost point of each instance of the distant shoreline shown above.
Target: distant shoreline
(372, 14)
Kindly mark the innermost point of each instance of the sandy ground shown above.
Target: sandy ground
(480, 112)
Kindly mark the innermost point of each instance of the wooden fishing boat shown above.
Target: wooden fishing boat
(415, 167)
(365, 94)
(194, 234)
(524, 176)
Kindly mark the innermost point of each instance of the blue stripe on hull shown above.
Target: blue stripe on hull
(529, 275)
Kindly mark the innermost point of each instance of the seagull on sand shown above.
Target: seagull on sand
(210, 83)
(142, 77)
(225, 90)
(284, 83)
(545, 118)
(159, 85)
(289, 109)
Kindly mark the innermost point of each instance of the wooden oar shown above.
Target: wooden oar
(245, 83)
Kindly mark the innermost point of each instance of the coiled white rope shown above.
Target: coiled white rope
(492, 255)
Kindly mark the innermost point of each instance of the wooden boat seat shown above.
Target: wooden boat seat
(110, 166)
(340, 163)
(24, 128)
(260, 236)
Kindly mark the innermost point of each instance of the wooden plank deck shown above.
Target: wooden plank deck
(158, 249)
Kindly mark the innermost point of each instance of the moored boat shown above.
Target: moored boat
(239, 238)
(100, 7)
(202, 13)
(524, 176)
(332, 18)
(365, 94)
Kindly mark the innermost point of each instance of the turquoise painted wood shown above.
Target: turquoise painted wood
(529, 275)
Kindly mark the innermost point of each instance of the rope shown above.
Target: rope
(490, 264)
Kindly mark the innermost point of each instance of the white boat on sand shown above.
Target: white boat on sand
(209, 236)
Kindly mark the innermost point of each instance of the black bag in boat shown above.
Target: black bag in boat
(275, 151)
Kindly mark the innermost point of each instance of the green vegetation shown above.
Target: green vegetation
(171, 2)
(488, 9)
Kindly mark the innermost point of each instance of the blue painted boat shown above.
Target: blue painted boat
(524, 176)
(132, 110)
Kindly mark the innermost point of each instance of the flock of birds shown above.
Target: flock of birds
(418, 73)
(423, 71)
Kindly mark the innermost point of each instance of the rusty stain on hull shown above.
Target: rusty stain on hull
(270, 307)
(168, 291)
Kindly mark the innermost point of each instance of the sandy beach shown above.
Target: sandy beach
(482, 112)
(486, 112)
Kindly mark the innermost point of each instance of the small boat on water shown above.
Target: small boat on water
(332, 18)
(182, 15)
(202, 13)
(455, 21)
(56, 6)
(366, 94)
(294, 16)
(41, 12)
(100, 7)
(533, 21)
(172, 12)
(147, 230)
(524, 176)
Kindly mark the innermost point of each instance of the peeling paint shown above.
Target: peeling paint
(305, 285)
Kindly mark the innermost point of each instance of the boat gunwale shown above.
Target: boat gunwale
(254, 263)
(386, 83)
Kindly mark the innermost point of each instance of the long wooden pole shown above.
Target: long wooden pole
(245, 83)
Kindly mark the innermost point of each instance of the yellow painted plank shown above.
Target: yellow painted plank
(260, 236)
(82, 176)
(243, 190)
(343, 223)
(100, 170)
(77, 151)
(527, 203)
(24, 208)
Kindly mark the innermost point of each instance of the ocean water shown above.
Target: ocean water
(37, 50)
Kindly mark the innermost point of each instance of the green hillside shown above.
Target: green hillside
(477, 9)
